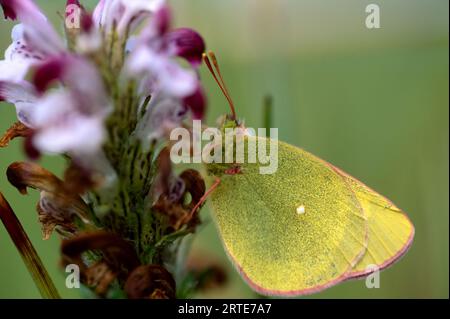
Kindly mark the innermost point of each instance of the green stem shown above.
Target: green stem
(28, 253)
(164, 241)
(268, 113)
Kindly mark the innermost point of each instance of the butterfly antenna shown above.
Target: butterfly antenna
(213, 58)
(203, 198)
(219, 80)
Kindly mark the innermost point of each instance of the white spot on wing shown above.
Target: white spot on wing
(301, 210)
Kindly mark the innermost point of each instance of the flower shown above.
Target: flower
(124, 14)
(37, 30)
(188, 44)
(65, 120)
(58, 207)
(174, 88)
(33, 41)
(62, 121)
(105, 97)
(70, 119)
(19, 57)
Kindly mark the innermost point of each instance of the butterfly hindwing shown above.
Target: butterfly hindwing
(278, 250)
(390, 230)
(342, 229)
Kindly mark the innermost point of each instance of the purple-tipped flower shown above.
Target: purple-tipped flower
(188, 44)
(39, 33)
(197, 103)
(174, 89)
(162, 20)
(8, 9)
(70, 119)
(105, 97)
(47, 72)
(22, 9)
(19, 57)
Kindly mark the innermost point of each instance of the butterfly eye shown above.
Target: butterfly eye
(301, 210)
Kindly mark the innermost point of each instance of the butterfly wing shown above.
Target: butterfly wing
(341, 231)
(279, 249)
(390, 230)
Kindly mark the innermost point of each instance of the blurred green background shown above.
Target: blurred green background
(373, 102)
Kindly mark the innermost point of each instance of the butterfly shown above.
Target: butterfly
(306, 227)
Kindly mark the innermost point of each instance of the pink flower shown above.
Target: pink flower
(19, 57)
(196, 102)
(67, 104)
(32, 41)
(125, 14)
(39, 33)
(188, 44)
(164, 113)
(24, 9)
(70, 119)
(152, 59)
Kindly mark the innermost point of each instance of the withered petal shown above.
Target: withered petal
(18, 129)
(78, 179)
(175, 212)
(118, 253)
(150, 282)
(195, 185)
(63, 223)
(100, 276)
(179, 213)
(24, 174)
(57, 205)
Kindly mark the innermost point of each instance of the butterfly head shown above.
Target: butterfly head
(227, 123)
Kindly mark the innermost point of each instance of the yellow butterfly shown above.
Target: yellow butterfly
(306, 227)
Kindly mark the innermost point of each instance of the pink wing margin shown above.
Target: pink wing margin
(400, 253)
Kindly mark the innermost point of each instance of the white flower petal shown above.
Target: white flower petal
(81, 78)
(61, 126)
(43, 38)
(76, 134)
(136, 11)
(53, 108)
(167, 76)
(97, 15)
(85, 82)
(124, 12)
(19, 57)
(23, 96)
(40, 34)
(163, 114)
(14, 71)
(176, 80)
(89, 42)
